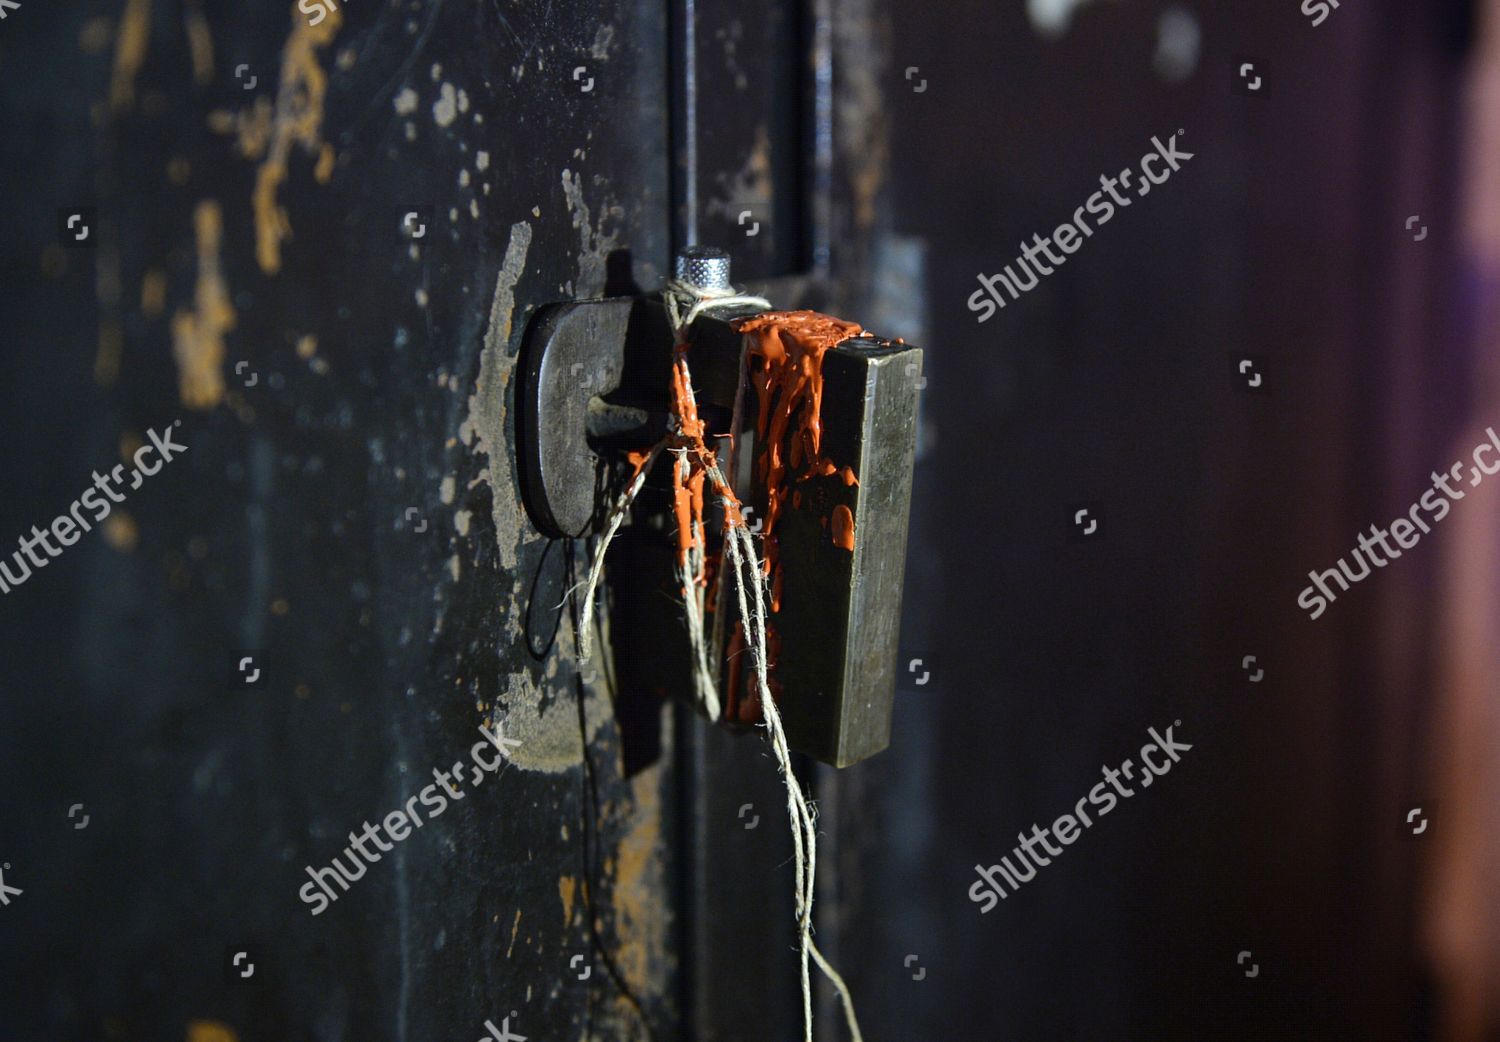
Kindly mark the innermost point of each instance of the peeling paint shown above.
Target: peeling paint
(593, 245)
(642, 922)
(604, 37)
(487, 405)
(200, 42)
(130, 52)
(298, 120)
(549, 736)
(198, 335)
(445, 109)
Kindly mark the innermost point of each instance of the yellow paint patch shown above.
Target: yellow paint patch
(307, 346)
(323, 172)
(567, 888)
(210, 1031)
(130, 51)
(513, 928)
(200, 42)
(130, 441)
(251, 126)
(198, 335)
(297, 120)
(641, 923)
(120, 532)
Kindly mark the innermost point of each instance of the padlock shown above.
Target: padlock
(824, 442)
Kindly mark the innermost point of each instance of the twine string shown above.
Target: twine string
(684, 304)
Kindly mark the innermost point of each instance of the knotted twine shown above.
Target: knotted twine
(695, 462)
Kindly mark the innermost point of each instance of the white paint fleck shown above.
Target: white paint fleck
(593, 244)
(1179, 41)
(447, 488)
(445, 109)
(1051, 18)
(421, 297)
(603, 37)
(406, 102)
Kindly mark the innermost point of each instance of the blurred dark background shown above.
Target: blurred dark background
(890, 153)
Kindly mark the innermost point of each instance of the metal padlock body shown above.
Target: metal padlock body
(839, 618)
(593, 383)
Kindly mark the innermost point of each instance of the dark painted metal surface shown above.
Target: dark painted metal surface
(347, 510)
(348, 513)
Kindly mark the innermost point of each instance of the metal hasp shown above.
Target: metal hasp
(840, 615)
(593, 382)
